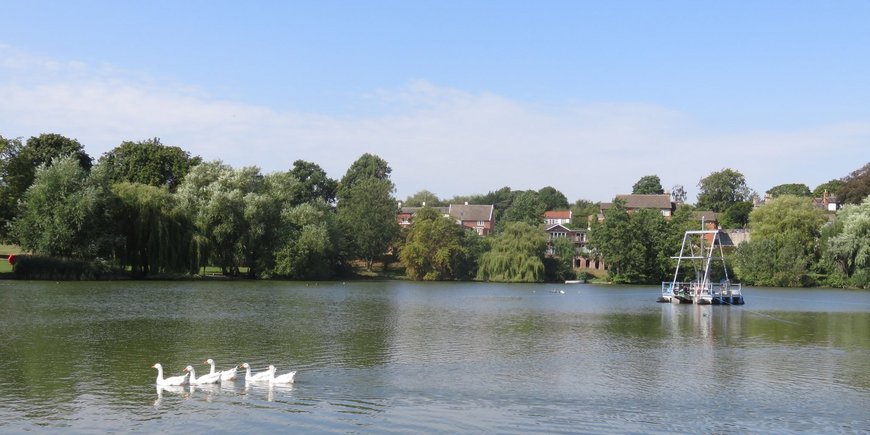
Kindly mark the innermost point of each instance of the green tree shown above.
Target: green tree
(832, 187)
(736, 215)
(435, 249)
(796, 189)
(148, 162)
(784, 246)
(526, 207)
(632, 245)
(849, 247)
(516, 255)
(648, 185)
(368, 213)
(720, 190)
(235, 216)
(581, 212)
(155, 235)
(424, 197)
(312, 243)
(312, 184)
(856, 186)
(562, 260)
(21, 162)
(58, 211)
(553, 199)
(9, 149)
(366, 167)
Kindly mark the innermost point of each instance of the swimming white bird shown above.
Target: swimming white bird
(268, 375)
(210, 378)
(286, 378)
(226, 375)
(174, 380)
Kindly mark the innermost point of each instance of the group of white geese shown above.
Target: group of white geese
(214, 377)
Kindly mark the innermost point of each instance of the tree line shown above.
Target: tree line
(149, 209)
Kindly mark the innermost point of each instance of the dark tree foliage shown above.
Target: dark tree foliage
(796, 189)
(832, 187)
(148, 162)
(856, 186)
(313, 183)
(633, 245)
(720, 190)
(648, 185)
(20, 163)
(366, 167)
(553, 199)
(436, 248)
(736, 216)
(527, 207)
(516, 255)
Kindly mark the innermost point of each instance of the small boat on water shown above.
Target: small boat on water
(701, 247)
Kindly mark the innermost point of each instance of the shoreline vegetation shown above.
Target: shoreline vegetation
(145, 210)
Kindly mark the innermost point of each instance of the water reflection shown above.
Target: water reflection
(170, 389)
(414, 357)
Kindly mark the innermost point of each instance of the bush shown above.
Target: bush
(57, 268)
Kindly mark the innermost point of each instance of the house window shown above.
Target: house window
(480, 223)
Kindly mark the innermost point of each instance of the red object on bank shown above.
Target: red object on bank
(11, 259)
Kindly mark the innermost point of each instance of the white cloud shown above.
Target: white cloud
(445, 140)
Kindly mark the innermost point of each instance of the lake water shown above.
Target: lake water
(431, 357)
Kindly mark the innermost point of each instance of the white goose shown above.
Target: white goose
(174, 380)
(226, 375)
(286, 378)
(210, 378)
(266, 376)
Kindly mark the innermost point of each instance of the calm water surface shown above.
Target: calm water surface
(408, 357)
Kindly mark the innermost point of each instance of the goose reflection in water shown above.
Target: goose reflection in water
(172, 389)
(208, 391)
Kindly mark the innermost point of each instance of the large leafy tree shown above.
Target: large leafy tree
(20, 163)
(312, 242)
(849, 245)
(634, 246)
(527, 207)
(856, 186)
(148, 162)
(784, 245)
(368, 166)
(435, 248)
(648, 185)
(59, 211)
(720, 190)
(367, 209)
(235, 217)
(312, 183)
(516, 255)
(796, 189)
(155, 235)
(552, 198)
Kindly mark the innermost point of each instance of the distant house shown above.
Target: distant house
(475, 216)
(405, 215)
(662, 203)
(555, 217)
(827, 202)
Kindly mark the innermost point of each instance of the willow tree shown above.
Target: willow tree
(516, 255)
(156, 236)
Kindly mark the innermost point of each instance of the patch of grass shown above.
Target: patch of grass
(9, 249)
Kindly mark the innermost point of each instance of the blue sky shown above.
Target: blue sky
(459, 97)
